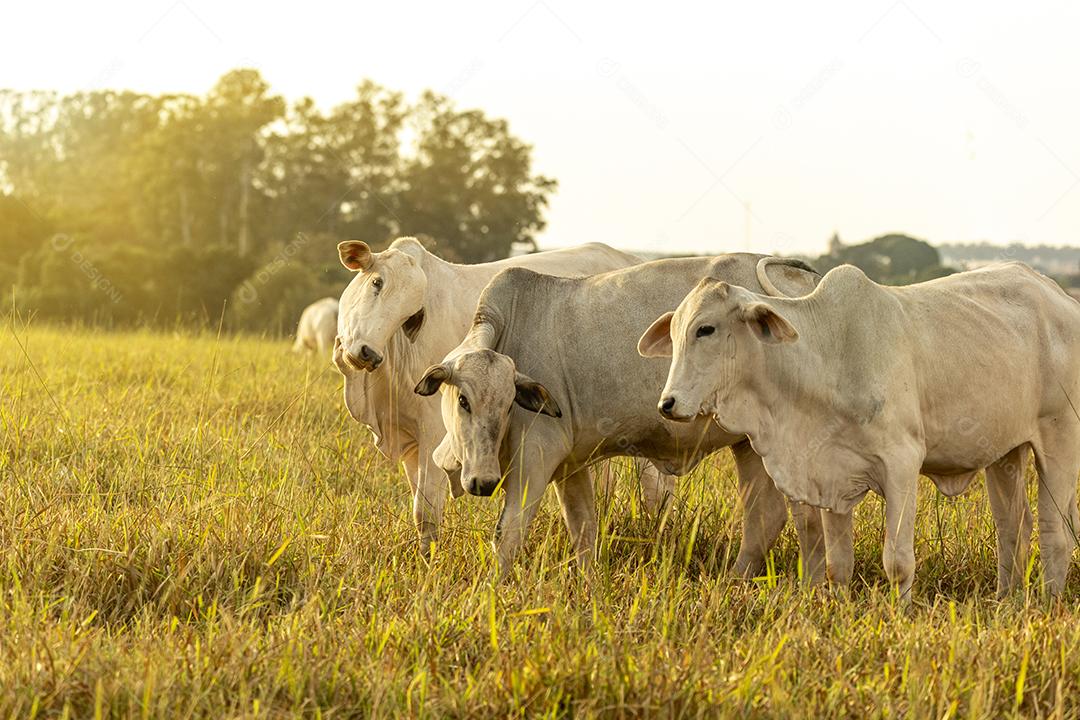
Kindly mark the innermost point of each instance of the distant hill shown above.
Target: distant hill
(897, 259)
(893, 259)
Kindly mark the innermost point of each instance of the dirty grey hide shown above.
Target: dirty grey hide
(317, 327)
(404, 309)
(548, 380)
(859, 387)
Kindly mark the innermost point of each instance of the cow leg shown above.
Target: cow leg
(524, 489)
(1056, 459)
(578, 502)
(657, 488)
(1012, 517)
(839, 547)
(809, 528)
(429, 495)
(898, 555)
(764, 510)
(409, 461)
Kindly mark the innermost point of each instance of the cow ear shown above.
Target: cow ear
(768, 325)
(534, 397)
(433, 379)
(355, 255)
(413, 324)
(656, 342)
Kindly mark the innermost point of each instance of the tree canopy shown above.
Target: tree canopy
(180, 202)
(890, 259)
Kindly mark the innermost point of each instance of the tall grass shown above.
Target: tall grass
(192, 526)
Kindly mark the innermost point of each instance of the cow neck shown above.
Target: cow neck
(374, 399)
(404, 360)
(409, 359)
(814, 378)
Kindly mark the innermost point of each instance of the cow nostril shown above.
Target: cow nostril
(369, 357)
(667, 405)
(482, 486)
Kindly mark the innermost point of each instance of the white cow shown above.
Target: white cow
(403, 311)
(562, 350)
(317, 326)
(858, 387)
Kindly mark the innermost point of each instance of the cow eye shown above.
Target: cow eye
(464, 403)
(705, 331)
(377, 283)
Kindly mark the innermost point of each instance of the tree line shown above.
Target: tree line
(119, 207)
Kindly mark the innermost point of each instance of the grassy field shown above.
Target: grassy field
(192, 526)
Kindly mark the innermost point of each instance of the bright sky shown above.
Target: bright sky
(665, 122)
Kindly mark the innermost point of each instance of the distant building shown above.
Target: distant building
(1055, 261)
(835, 245)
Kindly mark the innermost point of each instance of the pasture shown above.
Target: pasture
(193, 526)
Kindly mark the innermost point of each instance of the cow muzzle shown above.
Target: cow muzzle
(365, 359)
(481, 485)
(667, 408)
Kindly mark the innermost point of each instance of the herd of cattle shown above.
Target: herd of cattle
(824, 388)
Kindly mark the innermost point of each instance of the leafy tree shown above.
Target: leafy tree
(290, 278)
(235, 114)
(62, 279)
(126, 284)
(336, 173)
(67, 157)
(469, 182)
(21, 231)
(193, 284)
(176, 205)
(173, 202)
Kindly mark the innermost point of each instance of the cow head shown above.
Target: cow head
(387, 294)
(479, 389)
(716, 339)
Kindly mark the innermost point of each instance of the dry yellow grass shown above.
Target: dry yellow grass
(192, 526)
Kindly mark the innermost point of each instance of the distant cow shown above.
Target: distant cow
(548, 381)
(317, 327)
(403, 311)
(859, 387)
